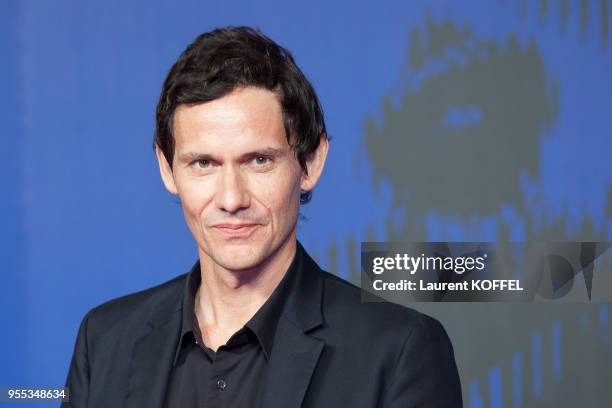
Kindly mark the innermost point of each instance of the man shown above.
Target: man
(241, 140)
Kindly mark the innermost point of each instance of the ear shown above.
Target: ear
(315, 164)
(165, 171)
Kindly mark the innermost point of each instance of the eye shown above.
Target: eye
(202, 164)
(261, 160)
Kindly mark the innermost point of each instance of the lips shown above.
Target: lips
(235, 230)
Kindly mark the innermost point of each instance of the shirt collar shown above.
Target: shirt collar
(265, 320)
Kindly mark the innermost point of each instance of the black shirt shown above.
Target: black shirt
(233, 375)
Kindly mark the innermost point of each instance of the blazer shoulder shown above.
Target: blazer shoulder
(342, 300)
(412, 349)
(139, 305)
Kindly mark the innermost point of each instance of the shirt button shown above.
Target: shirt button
(221, 384)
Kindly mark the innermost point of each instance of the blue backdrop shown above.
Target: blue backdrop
(479, 120)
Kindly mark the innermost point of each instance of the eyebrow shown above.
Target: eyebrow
(189, 157)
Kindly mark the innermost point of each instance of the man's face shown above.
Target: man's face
(237, 177)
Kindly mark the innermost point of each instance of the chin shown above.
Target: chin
(236, 256)
(238, 264)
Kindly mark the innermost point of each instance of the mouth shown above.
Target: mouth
(235, 230)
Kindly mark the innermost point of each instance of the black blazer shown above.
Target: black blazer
(330, 350)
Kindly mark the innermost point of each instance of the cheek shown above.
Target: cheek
(278, 189)
(194, 196)
(280, 195)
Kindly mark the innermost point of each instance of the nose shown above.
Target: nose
(232, 192)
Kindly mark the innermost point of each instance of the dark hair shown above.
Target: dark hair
(221, 60)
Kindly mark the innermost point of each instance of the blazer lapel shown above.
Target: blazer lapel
(295, 353)
(153, 355)
(292, 364)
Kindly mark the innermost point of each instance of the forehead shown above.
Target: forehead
(245, 118)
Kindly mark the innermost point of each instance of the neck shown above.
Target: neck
(228, 299)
